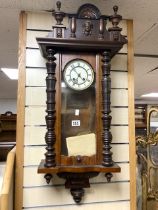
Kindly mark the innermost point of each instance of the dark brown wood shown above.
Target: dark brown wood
(48, 177)
(115, 30)
(77, 45)
(59, 15)
(106, 118)
(77, 194)
(77, 169)
(86, 38)
(73, 160)
(76, 182)
(108, 176)
(7, 134)
(73, 27)
(101, 28)
(5, 148)
(88, 11)
(50, 136)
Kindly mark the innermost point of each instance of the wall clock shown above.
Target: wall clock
(78, 74)
(78, 87)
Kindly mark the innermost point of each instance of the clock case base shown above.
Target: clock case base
(87, 33)
(77, 176)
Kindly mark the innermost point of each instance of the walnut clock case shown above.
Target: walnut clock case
(78, 87)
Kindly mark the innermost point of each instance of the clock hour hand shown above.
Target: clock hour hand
(79, 76)
(75, 80)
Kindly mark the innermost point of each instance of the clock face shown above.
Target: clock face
(78, 74)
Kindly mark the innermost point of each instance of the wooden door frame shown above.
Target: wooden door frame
(131, 116)
(18, 204)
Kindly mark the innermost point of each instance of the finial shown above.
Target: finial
(58, 5)
(48, 177)
(108, 176)
(115, 18)
(115, 8)
(59, 15)
(115, 29)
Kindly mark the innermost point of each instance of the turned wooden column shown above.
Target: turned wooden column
(106, 118)
(50, 137)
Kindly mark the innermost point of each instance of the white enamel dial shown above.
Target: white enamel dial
(78, 74)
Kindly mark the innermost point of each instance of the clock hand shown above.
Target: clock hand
(83, 79)
(75, 80)
(75, 71)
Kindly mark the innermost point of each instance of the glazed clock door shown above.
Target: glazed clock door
(78, 105)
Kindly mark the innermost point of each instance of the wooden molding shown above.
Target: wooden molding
(20, 115)
(7, 181)
(131, 118)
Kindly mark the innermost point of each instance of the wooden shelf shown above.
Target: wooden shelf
(7, 133)
(140, 119)
(78, 168)
(140, 125)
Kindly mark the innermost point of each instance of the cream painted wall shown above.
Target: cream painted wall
(7, 105)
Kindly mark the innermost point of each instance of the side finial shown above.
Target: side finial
(115, 29)
(115, 8)
(115, 18)
(59, 15)
(58, 5)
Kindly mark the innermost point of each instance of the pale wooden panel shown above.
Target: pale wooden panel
(132, 144)
(119, 62)
(122, 176)
(123, 25)
(119, 79)
(124, 49)
(6, 202)
(38, 179)
(20, 113)
(2, 170)
(120, 152)
(119, 97)
(34, 58)
(35, 77)
(120, 205)
(46, 196)
(34, 154)
(36, 115)
(35, 96)
(41, 21)
(119, 116)
(120, 134)
(31, 38)
(34, 135)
